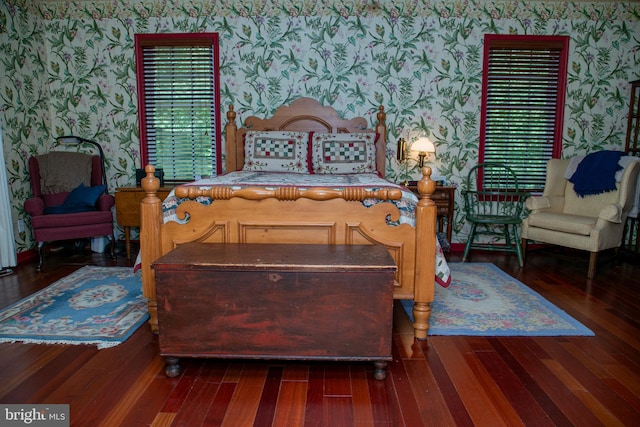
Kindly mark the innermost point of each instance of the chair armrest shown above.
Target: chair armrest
(535, 203)
(106, 202)
(34, 206)
(611, 213)
(545, 203)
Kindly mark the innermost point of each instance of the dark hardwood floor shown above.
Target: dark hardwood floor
(465, 381)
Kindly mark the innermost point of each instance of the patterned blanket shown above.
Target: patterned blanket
(271, 180)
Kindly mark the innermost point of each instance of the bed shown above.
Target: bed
(330, 212)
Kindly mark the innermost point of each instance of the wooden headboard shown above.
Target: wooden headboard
(302, 115)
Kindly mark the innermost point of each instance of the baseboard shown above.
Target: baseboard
(457, 247)
(27, 255)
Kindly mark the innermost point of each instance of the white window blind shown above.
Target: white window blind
(523, 101)
(177, 80)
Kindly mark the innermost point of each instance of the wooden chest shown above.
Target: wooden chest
(275, 301)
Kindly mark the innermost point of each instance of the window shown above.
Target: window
(523, 94)
(179, 104)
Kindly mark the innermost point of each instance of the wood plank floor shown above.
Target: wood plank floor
(442, 381)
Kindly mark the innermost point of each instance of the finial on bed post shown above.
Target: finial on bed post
(231, 114)
(426, 216)
(150, 184)
(382, 116)
(426, 186)
(230, 132)
(381, 144)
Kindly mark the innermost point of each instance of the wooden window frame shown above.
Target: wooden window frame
(142, 43)
(493, 115)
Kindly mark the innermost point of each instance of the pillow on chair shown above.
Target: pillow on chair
(80, 199)
(84, 196)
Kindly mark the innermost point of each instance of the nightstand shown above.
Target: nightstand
(128, 209)
(444, 198)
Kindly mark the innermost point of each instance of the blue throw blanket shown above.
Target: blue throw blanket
(596, 173)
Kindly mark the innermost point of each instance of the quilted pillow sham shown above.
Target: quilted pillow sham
(276, 151)
(343, 153)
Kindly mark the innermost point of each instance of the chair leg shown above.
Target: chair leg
(507, 236)
(113, 246)
(517, 246)
(40, 256)
(593, 259)
(467, 247)
(523, 250)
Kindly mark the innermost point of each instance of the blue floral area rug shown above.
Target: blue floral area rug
(484, 300)
(93, 305)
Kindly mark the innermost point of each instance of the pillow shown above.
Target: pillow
(276, 151)
(344, 153)
(82, 196)
(537, 202)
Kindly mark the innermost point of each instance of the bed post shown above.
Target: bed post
(150, 242)
(230, 145)
(426, 214)
(381, 143)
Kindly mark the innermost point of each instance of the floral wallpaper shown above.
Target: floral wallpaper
(68, 67)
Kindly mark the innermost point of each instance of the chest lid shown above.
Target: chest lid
(283, 257)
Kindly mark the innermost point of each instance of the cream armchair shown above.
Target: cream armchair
(592, 223)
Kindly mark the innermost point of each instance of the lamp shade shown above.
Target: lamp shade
(69, 140)
(423, 145)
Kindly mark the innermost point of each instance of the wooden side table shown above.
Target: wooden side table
(444, 198)
(128, 209)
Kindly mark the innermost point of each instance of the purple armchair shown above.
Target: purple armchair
(69, 199)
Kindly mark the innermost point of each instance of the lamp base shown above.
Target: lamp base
(421, 157)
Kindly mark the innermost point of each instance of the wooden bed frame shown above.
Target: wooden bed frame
(321, 215)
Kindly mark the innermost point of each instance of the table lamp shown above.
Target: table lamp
(425, 147)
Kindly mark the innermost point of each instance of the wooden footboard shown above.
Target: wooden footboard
(292, 215)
